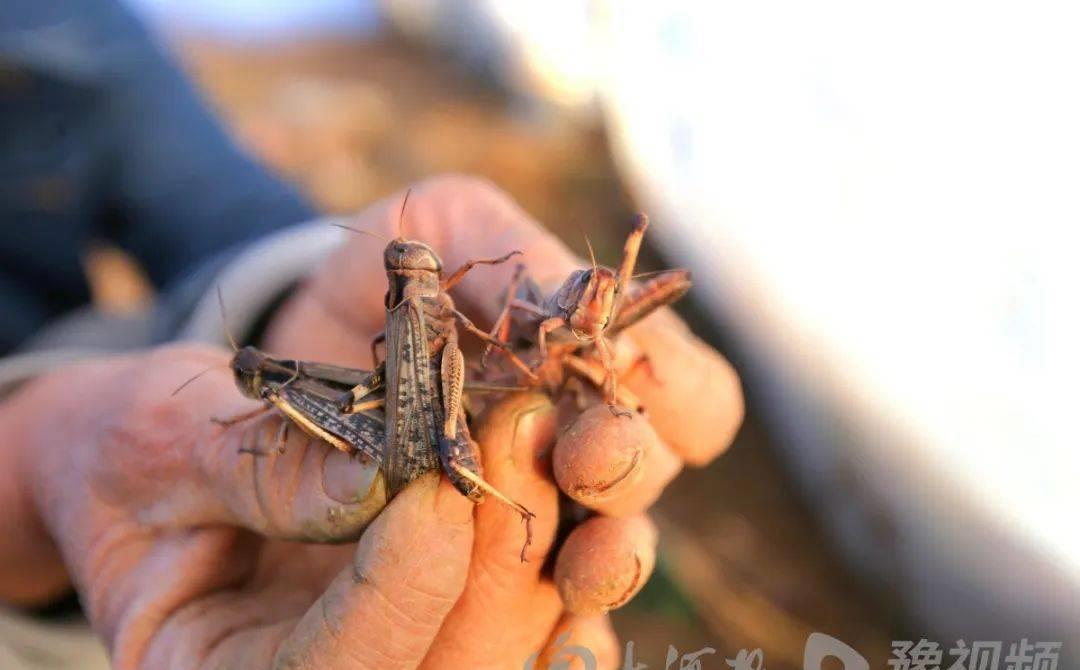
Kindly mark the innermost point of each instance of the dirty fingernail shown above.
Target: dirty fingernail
(601, 455)
(348, 479)
(604, 563)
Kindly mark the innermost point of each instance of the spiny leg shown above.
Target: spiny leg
(240, 418)
(502, 346)
(547, 326)
(500, 330)
(377, 403)
(596, 375)
(280, 438)
(453, 382)
(486, 387)
(308, 426)
(459, 274)
(349, 402)
(611, 380)
(629, 259)
(486, 488)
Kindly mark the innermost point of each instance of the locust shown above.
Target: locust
(308, 393)
(591, 306)
(304, 392)
(423, 374)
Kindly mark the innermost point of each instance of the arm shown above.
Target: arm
(104, 138)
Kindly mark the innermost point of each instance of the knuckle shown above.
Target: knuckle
(410, 609)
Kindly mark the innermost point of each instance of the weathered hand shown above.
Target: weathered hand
(614, 466)
(189, 554)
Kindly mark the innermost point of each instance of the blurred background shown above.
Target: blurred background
(878, 203)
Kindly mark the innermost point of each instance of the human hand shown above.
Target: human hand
(616, 467)
(187, 553)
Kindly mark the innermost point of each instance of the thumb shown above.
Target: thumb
(263, 473)
(385, 609)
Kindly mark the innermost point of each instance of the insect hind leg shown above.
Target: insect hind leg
(456, 461)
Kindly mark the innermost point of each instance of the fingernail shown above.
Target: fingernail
(604, 563)
(600, 457)
(348, 479)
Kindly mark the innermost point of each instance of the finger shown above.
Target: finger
(515, 436)
(604, 563)
(581, 643)
(691, 393)
(615, 465)
(236, 475)
(385, 610)
(501, 590)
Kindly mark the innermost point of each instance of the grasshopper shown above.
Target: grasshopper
(303, 391)
(308, 393)
(590, 306)
(424, 374)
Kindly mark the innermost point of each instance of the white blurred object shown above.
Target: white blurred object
(884, 198)
(541, 50)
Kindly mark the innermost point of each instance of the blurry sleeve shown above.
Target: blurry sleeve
(181, 190)
(253, 281)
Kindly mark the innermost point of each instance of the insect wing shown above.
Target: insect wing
(412, 422)
(662, 289)
(344, 377)
(365, 430)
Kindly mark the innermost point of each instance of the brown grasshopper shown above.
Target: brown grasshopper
(424, 375)
(287, 385)
(309, 395)
(260, 376)
(592, 305)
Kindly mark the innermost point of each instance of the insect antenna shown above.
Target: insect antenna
(401, 215)
(194, 377)
(592, 255)
(361, 232)
(588, 244)
(650, 274)
(225, 321)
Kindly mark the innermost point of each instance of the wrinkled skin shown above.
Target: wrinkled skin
(185, 553)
